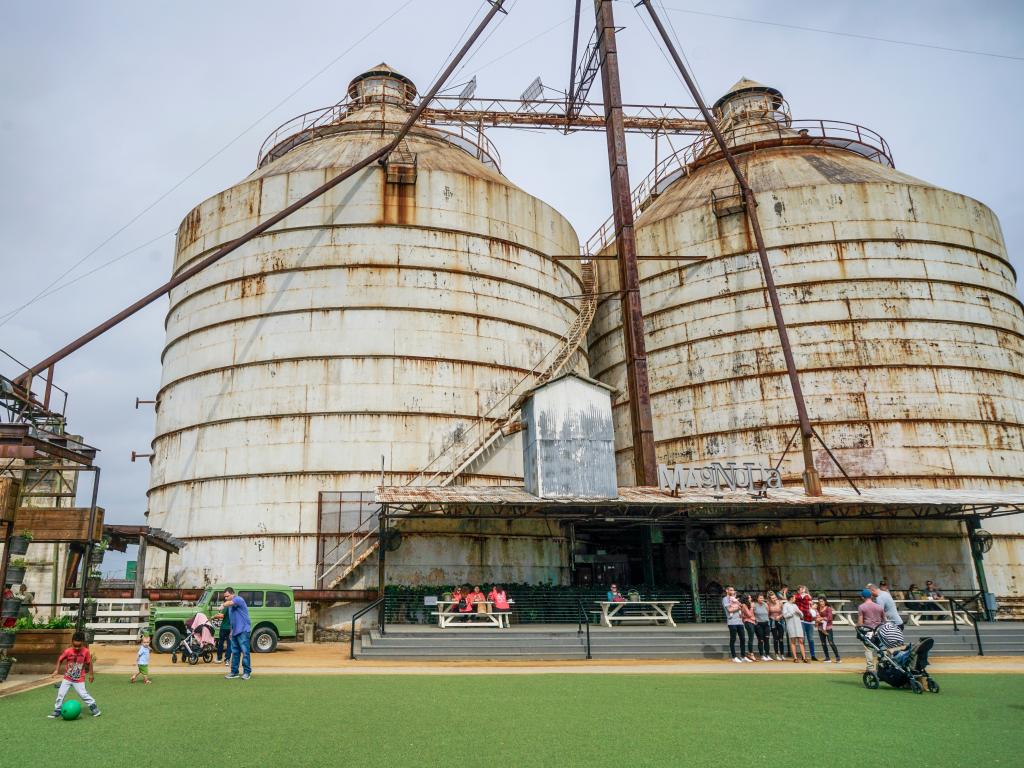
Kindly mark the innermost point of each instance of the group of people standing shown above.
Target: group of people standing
(767, 619)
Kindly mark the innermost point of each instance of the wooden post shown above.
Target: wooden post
(140, 567)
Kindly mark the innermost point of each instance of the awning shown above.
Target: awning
(644, 503)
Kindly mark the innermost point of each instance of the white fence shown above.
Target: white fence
(117, 621)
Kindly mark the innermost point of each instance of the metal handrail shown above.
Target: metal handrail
(953, 603)
(358, 614)
(583, 622)
(310, 125)
(768, 133)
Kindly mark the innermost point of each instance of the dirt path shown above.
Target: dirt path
(332, 659)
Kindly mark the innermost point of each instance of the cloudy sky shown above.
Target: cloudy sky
(116, 118)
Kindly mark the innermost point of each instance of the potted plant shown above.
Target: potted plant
(98, 550)
(92, 584)
(5, 666)
(90, 609)
(7, 638)
(19, 543)
(90, 636)
(10, 608)
(16, 570)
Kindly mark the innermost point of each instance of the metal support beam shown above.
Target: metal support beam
(569, 100)
(382, 528)
(89, 544)
(812, 482)
(140, 567)
(638, 385)
(694, 564)
(973, 523)
(383, 152)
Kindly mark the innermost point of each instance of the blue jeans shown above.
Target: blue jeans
(808, 627)
(240, 650)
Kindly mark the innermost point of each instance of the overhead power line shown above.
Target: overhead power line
(11, 314)
(856, 35)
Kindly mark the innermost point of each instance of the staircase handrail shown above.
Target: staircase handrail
(358, 614)
(354, 543)
(584, 622)
(564, 350)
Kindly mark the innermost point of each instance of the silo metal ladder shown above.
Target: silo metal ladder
(492, 429)
(363, 542)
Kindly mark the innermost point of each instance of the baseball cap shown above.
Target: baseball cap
(865, 593)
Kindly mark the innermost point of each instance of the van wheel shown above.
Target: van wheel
(167, 639)
(264, 640)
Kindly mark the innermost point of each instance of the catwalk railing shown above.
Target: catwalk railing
(545, 605)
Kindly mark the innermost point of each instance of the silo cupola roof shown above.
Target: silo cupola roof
(746, 85)
(382, 72)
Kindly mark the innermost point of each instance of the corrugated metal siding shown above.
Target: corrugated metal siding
(902, 310)
(379, 320)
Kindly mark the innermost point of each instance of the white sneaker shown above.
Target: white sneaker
(737, 659)
(765, 658)
(745, 659)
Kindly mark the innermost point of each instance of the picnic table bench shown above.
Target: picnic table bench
(648, 611)
(446, 617)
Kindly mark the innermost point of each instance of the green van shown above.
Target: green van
(271, 610)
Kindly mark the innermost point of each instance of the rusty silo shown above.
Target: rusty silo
(381, 319)
(906, 327)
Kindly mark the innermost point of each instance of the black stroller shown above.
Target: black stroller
(197, 644)
(900, 665)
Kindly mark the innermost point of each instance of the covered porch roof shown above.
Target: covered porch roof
(650, 504)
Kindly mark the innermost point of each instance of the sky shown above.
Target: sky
(116, 118)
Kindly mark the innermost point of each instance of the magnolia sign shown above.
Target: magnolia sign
(729, 476)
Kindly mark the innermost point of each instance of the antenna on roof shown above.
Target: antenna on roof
(533, 90)
(467, 93)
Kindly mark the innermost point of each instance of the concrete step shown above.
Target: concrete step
(702, 641)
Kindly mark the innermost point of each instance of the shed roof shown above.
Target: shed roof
(652, 503)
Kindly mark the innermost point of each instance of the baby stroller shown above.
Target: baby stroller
(197, 643)
(900, 664)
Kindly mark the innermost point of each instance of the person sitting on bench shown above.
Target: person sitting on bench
(499, 599)
(467, 604)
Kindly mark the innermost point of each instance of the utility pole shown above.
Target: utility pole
(645, 467)
(644, 459)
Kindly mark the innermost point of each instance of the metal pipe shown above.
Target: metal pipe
(81, 341)
(641, 421)
(569, 94)
(812, 482)
(382, 526)
(88, 547)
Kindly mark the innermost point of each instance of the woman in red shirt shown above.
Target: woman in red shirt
(803, 602)
(499, 598)
(825, 615)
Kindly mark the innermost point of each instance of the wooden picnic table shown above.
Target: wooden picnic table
(446, 617)
(657, 611)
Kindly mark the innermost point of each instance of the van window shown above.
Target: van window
(278, 600)
(252, 599)
(217, 599)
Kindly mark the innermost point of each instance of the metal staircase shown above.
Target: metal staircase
(499, 422)
(490, 430)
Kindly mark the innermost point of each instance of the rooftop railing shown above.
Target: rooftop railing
(325, 121)
(761, 135)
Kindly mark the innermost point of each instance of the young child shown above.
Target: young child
(77, 661)
(143, 660)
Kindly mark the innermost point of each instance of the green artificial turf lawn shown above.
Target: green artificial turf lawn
(524, 720)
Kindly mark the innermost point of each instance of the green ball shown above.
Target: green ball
(70, 710)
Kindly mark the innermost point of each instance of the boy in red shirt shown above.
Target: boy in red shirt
(77, 661)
